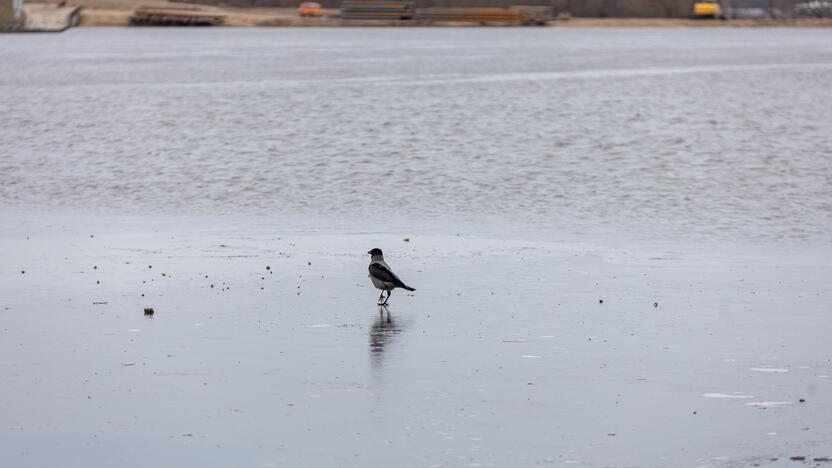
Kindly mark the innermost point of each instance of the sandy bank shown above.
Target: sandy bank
(42, 17)
(690, 23)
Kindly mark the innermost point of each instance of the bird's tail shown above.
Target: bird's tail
(408, 287)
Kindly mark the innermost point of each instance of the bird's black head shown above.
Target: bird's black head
(375, 252)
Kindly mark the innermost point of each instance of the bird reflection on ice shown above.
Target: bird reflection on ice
(382, 332)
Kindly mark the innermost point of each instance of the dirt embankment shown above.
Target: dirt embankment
(688, 23)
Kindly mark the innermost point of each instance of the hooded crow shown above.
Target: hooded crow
(383, 277)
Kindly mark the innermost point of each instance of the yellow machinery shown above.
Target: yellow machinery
(707, 9)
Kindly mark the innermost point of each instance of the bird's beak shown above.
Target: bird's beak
(369, 252)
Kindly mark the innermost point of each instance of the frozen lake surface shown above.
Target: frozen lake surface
(619, 241)
(267, 349)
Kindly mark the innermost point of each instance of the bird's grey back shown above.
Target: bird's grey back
(382, 271)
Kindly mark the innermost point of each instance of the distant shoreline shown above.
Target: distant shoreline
(48, 17)
(238, 18)
(115, 14)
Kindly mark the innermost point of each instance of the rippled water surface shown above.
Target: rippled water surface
(695, 132)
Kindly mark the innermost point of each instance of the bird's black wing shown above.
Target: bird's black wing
(383, 274)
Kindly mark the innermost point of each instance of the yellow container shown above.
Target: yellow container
(707, 9)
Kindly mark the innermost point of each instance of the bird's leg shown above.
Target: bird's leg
(389, 292)
(380, 297)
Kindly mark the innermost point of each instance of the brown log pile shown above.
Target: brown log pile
(174, 16)
(376, 9)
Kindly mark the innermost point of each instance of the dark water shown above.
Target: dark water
(692, 132)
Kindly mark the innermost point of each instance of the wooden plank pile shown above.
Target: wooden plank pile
(376, 10)
(534, 15)
(469, 15)
(174, 16)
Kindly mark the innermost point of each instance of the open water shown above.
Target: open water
(687, 133)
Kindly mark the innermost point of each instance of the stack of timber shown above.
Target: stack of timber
(376, 10)
(174, 16)
(534, 15)
(13, 25)
(469, 15)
